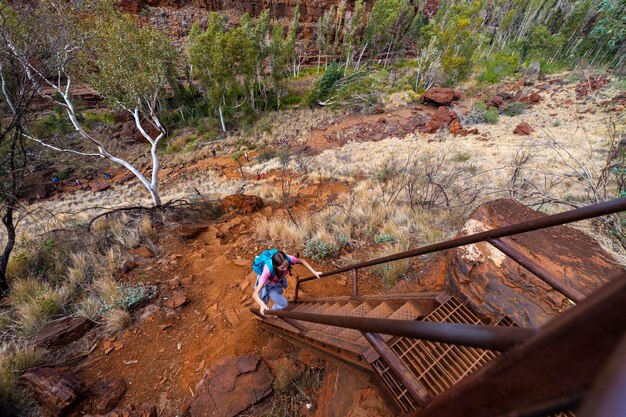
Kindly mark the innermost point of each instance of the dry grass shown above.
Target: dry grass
(34, 313)
(15, 359)
(116, 320)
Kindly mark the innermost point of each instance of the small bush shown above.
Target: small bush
(35, 313)
(480, 114)
(134, 295)
(514, 109)
(116, 320)
(315, 248)
(384, 238)
(327, 85)
(461, 157)
(499, 66)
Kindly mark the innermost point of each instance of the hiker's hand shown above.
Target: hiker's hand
(263, 309)
(317, 274)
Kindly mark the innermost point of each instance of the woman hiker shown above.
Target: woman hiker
(272, 267)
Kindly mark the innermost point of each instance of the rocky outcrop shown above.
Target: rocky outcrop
(232, 385)
(242, 204)
(104, 396)
(62, 332)
(523, 129)
(446, 118)
(55, 391)
(495, 285)
(441, 96)
(336, 394)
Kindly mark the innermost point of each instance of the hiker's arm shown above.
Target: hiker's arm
(257, 299)
(309, 267)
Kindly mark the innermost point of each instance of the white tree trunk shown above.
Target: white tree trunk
(222, 118)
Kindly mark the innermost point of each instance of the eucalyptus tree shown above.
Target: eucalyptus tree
(128, 66)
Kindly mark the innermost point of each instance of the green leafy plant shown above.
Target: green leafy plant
(514, 109)
(315, 248)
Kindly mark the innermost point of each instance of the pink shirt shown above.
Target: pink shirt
(265, 276)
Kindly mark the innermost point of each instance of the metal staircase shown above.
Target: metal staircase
(436, 358)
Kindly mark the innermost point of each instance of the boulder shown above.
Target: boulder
(494, 285)
(443, 117)
(441, 96)
(232, 385)
(61, 332)
(523, 129)
(145, 410)
(242, 204)
(497, 102)
(104, 396)
(533, 98)
(56, 391)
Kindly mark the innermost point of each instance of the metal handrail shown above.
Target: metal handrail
(471, 335)
(583, 213)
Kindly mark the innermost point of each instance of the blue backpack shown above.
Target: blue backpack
(265, 258)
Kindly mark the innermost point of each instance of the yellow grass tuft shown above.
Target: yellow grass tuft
(117, 319)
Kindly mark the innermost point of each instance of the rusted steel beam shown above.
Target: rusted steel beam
(559, 362)
(415, 389)
(541, 272)
(355, 283)
(486, 337)
(295, 296)
(608, 396)
(293, 323)
(601, 209)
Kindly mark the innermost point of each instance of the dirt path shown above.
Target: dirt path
(164, 354)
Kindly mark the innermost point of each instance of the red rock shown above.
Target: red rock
(104, 396)
(533, 98)
(143, 252)
(483, 277)
(441, 96)
(55, 391)
(496, 101)
(473, 131)
(232, 385)
(367, 403)
(176, 300)
(335, 397)
(523, 129)
(242, 204)
(61, 332)
(443, 117)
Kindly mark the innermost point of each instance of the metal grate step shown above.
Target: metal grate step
(437, 366)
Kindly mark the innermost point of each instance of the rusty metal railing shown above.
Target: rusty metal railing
(493, 237)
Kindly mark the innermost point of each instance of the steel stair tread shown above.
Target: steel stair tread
(408, 311)
(345, 310)
(381, 311)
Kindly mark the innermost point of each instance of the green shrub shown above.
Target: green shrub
(480, 114)
(134, 295)
(55, 124)
(499, 66)
(384, 238)
(327, 85)
(514, 109)
(318, 249)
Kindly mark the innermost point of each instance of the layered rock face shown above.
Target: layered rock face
(494, 285)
